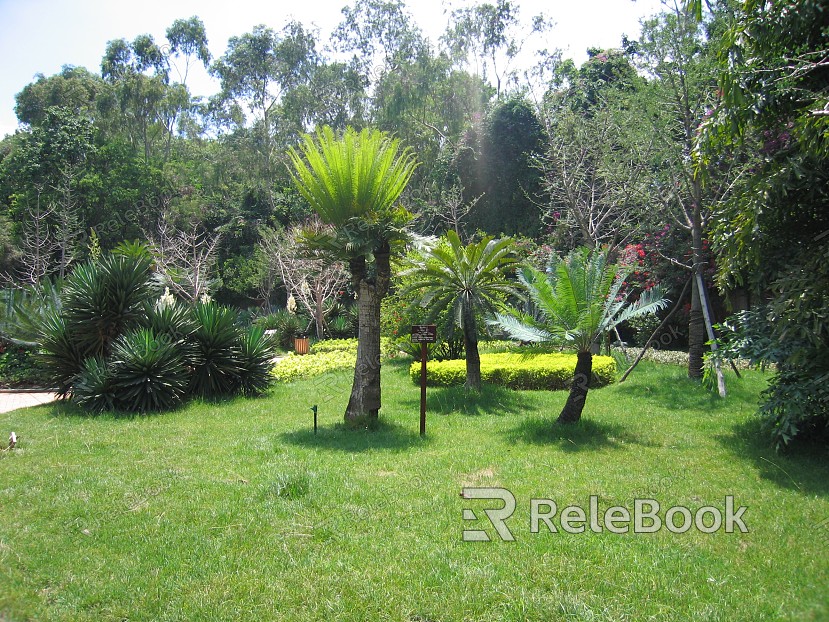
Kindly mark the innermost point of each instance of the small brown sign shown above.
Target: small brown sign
(424, 333)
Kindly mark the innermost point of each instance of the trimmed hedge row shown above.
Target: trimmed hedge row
(324, 356)
(299, 367)
(518, 371)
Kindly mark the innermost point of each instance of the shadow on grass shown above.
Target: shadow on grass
(372, 436)
(586, 435)
(803, 466)
(490, 400)
(669, 387)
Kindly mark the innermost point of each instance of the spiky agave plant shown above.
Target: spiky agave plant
(217, 371)
(94, 388)
(255, 361)
(148, 372)
(175, 323)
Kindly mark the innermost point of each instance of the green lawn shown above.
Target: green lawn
(236, 511)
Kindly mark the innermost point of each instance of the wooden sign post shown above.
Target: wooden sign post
(423, 334)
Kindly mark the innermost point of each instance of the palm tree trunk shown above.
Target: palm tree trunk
(571, 412)
(365, 391)
(470, 344)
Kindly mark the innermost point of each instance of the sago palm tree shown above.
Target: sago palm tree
(354, 182)
(465, 280)
(577, 301)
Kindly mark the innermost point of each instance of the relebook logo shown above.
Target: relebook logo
(646, 516)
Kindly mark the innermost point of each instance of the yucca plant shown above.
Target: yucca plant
(22, 311)
(94, 388)
(149, 374)
(255, 361)
(103, 299)
(217, 370)
(175, 323)
(63, 357)
(578, 300)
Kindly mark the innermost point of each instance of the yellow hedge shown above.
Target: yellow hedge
(518, 371)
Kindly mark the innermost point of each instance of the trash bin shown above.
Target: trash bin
(301, 344)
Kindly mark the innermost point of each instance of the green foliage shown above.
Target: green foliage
(62, 357)
(324, 356)
(770, 233)
(94, 387)
(335, 345)
(107, 346)
(255, 356)
(21, 366)
(359, 175)
(299, 367)
(796, 403)
(518, 371)
(148, 372)
(217, 371)
(175, 324)
(101, 300)
(23, 310)
(578, 301)
(286, 324)
(458, 281)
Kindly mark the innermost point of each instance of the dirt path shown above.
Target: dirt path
(13, 401)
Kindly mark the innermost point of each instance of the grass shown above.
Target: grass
(238, 511)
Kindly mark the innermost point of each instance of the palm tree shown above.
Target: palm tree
(353, 183)
(465, 279)
(578, 301)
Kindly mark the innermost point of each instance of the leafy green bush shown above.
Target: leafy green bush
(324, 356)
(94, 389)
(387, 346)
(299, 367)
(110, 349)
(21, 366)
(518, 371)
(334, 345)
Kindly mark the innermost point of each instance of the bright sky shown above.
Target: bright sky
(40, 36)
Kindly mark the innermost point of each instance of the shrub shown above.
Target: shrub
(255, 361)
(519, 371)
(148, 374)
(324, 356)
(217, 370)
(22, 366)
(95, 386)
(287, 326)
(108, 347)
(388, 347)
(335, 345)
(298, 367)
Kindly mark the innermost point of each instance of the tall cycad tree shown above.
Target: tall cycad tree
(578, 300)
(354, 182)
(465, 280)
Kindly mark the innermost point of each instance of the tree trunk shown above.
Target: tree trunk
(696, 325)
(365, 391)
(470, 344)
(571, 412)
